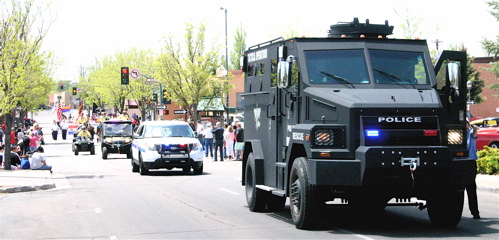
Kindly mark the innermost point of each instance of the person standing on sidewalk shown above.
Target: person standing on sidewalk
(208, 140)
(199, 132)
(239, 147)
(471, 188)
(55, 130)
(218, 136)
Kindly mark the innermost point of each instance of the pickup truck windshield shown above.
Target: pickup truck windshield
(349, 67)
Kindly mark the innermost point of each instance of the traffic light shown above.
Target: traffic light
(166, 112)
(74, 90)
(61, 86)
(125, 76)
(164, 99)
(155, 97)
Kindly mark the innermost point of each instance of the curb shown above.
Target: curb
(488, 189)
(17, 189)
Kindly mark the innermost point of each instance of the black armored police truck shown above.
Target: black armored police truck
(355, 118)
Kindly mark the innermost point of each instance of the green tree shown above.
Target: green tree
(491, 47)
(477, 84)
(238, 49)
(187, 70)
(103, 84)
(24, 77)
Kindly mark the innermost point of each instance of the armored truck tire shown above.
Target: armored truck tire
(256, 198)
(445, 208)
(305, 203)
(104, 153)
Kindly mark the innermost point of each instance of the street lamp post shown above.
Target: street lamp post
(469, 84)
(226, 66)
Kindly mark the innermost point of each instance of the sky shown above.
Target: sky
(83, 31)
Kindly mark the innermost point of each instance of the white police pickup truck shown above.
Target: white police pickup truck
(166, 144)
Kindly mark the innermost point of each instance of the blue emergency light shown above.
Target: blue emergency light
(372, 133)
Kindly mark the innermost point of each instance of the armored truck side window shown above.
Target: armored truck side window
(337, 67)
(398, 67)
(273, 73)
(261, 68)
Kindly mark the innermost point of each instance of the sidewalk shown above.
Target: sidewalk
(32, 180)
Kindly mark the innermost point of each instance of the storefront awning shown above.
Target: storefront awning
(212, 104)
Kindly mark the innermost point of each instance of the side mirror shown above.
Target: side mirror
(244, 63)
(282, 74)
(453, 71)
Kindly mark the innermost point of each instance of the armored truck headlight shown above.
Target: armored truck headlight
(328, 137)
(455, 137)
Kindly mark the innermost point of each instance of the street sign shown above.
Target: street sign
(150, 80)
(135, 73)
(161, 107)
(180, 111)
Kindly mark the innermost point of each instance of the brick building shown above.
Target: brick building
(490, 107)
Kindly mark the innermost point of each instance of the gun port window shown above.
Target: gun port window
(400, 68)
(344, 67)
(261, 69)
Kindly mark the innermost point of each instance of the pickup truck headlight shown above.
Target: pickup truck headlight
(455, 136)
(196, 146)
(152, 147)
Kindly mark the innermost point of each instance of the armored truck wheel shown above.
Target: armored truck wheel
(256, 198)
(305, 204)
(445, 208)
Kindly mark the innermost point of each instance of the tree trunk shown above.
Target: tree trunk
(6, 152)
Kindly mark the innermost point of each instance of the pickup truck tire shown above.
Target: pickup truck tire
(256, 198)
(104, 153)
(305, 203)
(198, 171)
(135, 167)
(445, 208)
(142, 169)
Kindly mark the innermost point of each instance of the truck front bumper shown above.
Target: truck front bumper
(394, 167)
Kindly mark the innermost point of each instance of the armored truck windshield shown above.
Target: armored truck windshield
(350, 67)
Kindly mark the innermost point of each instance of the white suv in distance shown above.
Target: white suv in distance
(166, 144)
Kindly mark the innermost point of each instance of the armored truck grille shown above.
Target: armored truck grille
(328, 138)
(401, 130)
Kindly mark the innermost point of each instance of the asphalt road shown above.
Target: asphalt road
(104, 199)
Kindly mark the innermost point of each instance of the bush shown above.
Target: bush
(488, 161)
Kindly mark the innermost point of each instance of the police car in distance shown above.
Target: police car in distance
(166, 144)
